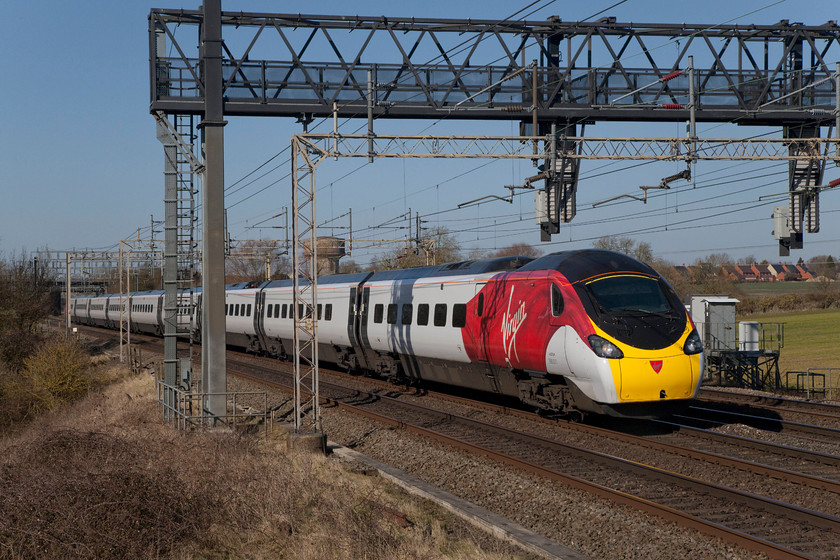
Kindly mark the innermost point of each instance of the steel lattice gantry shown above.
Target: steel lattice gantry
(540, 73)
(455, 68)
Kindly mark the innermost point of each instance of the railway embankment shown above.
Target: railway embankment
(103, 477)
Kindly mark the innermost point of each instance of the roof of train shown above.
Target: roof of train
(477, 266)
(574, 265)
(587, 263)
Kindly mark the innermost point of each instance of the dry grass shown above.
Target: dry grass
(104, 478)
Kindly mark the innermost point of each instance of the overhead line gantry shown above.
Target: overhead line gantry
(553, 77)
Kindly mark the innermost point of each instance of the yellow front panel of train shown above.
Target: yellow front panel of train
(654, 378)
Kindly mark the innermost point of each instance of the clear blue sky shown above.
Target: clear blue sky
(80, 166)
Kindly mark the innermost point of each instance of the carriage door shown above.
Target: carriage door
(482, 334)
(482, 321)
(259, 319)
(360, 298)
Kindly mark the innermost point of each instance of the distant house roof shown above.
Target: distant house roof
(746, 271)
(732, 271)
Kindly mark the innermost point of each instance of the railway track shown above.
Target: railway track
(778, 529)
(700, 416)
(771, 526)
(792, 410)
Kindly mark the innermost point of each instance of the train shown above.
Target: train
(572, 333)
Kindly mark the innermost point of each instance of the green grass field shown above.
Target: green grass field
(812, 339)
(756, 289)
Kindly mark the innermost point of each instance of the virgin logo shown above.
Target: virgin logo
(656, 365)
(511, 325)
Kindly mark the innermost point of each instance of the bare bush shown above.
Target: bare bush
(59, 372)
(820, 295)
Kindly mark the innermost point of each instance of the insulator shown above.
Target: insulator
(796, 213)
(672, 106)
(671, 76)
(821, 112)
(834, 183)
(812, 213)
(513, 108)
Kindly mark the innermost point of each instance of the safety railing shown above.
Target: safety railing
(822, 383)
(743, 336)
(186, 410)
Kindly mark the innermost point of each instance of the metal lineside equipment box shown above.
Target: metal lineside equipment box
(714, 317)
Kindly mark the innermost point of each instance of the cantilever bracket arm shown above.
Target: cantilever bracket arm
(195, 165)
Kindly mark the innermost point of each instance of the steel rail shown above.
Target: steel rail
(741, 538)
(701, 414)
(757, 444)
(774, 403)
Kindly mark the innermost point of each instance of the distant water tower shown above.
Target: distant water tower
(330, 251)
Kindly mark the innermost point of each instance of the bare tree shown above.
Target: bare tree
(24, 303)
(823, 265)
(439, 241)
(348, 266)
(518, 250)
(247, 262)
(638, 250)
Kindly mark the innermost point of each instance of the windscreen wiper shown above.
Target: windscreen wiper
(640, 311)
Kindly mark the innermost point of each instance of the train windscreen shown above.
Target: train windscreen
(627, 295)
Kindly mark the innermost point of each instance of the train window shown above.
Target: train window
(328, 312)
(236, 310)
(320, 309)
(248, 313)
(392, 313)
(269, 310)
(556, 301)
(440, 314)
(407, 312)
(479, 310)
(377, 312)
(285, 309)
(459, 315)
(301, 314)
(276, 310)
(423, 314)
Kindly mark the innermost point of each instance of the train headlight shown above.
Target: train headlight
(604, 348)
(693, 344)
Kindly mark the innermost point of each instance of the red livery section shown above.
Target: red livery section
(516, 322)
